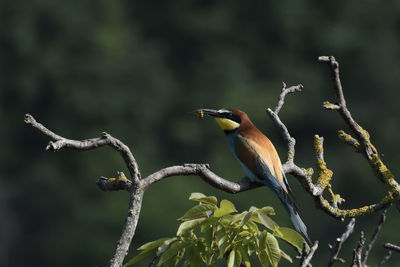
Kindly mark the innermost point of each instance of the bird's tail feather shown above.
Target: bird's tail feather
(296, 220)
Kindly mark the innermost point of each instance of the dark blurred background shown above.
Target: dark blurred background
(136, 69)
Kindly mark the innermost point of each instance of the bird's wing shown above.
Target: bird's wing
(261, 161)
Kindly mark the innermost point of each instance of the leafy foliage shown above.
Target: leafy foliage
(209, 233)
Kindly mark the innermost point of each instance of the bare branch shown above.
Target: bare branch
(285, 91)
(88, 144)
(392, 247)
(291, 142)
(339, 242)
(128, 230)
(203, 171)
(385, 258)
(306, 257)
(357, 252)
(378, 228)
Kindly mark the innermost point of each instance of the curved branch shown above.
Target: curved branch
(88, 144)
(203, 171)
(285, 91)
(339, 242)
(392, 247)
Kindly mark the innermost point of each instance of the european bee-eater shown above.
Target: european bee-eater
(258, 157)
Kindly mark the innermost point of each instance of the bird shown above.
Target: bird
(258, 157)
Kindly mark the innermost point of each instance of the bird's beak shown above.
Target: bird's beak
(207, 112)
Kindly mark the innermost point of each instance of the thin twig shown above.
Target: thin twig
(378, 228)
(59, 142)
(285, 91)
(393, 247)
(339, 242)
(385, 258)
(357, 252)
(306, 257)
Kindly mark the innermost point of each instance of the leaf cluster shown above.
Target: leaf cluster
(209, 233)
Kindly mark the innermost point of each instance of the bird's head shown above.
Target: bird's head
(228, 119)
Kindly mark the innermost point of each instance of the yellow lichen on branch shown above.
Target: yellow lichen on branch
(389, 179)
(364, 210)
(348, 139)
(324, 174)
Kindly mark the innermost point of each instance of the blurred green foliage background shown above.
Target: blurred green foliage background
(136, 69)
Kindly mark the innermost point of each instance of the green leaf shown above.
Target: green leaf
(223, 245)
(226, 207)
(146, 250)
(272, 249)
(165, 245)
(231, 258)
(234, 258)
(238, 217)
(293, 238)
(153, 244)
(251, 227)
(245, 258)
(263, 258)
(268, 210)
(253, 209)
(193, 255)
(137, 258)
(286, 256)
(200, 197)
(201, 210)
(246, 218)
(196, 195)
(189, 225)
(225, 220)
(172, 251)
(267, 221)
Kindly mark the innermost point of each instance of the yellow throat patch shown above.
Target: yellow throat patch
(227, 125)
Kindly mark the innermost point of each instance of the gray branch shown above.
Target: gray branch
(378, 228)
(385, 258)
(285, 91)
(59, 142)
(306, 257)
(357, 252)
(392, 247)
(203, 171)
(339, 242)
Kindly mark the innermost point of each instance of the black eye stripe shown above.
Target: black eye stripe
(231, 116)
